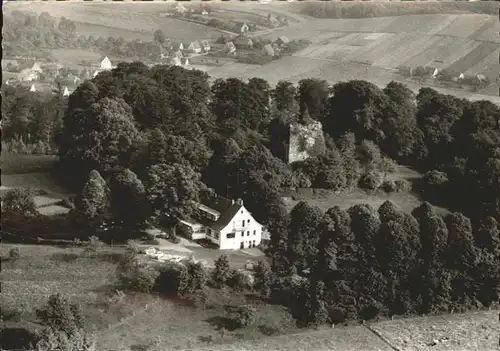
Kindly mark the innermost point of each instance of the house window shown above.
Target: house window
(210, 232)
(248, 233)
(254, 232)
(254, 243)
(242, 245)
(248, 221)
(230, 235)
(217, 235)
(243, 223)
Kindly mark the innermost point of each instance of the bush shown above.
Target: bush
(151, 242)
(240, 280)
(175, 239)
(94, 244)
(402, 185)
(389, 186)
(173, 279)
(134, 276)
(222, 271)
(242, 316)
(20, 201)
(14, 253)
(371, 180)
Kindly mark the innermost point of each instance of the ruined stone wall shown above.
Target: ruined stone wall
(305, 141)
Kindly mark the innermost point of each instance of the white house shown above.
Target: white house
(106, 64)
(461, 76)
(32, 89)
(181, 46)
(226, 223)
(36, 68)
(195, 47)
(435, 73)
(244, 28)
(66, 91)
(180, 9)
(28, 75)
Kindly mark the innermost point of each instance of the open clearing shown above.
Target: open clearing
(406, 201)
(138, 319)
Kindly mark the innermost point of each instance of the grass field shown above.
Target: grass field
(406, 201)
(139, 320)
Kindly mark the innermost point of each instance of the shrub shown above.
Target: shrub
(151, 242)
(222, 271)
(19, 201)
(175, 239)
(240, 280)
(14, 253)
(132, 247)
(242, 316)
(197, 276)
(371, 180)
(94, 244)
(173, 279)
(402, 185)
(134, 276)
(263, 279)
(435, 178)
(389, 186)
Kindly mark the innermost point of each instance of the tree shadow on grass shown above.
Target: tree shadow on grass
(267, 330)
(64, 257)
(220, 322)
(139, 347)
(16, 339)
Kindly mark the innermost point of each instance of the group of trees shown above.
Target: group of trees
(31, 120)
(26, 33)
(362, 263)
(231, 135)
(363, 10)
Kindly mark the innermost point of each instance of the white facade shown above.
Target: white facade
(242, 231)
(195, 47)
(66, 91)
(106, 64)
(32, 89)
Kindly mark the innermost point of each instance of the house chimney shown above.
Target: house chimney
(239, 202)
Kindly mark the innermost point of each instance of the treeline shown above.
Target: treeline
(31, 121)
(366, 9)
(234, 134)
(27, 34)
(363, 263)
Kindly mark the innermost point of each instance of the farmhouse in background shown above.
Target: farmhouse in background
(272, 21)
(244, 28)
(104, 66)
(435, 73)
(282, 41)
(195, 47)
(206, 45)
(36, 68)
(268, 50)
(32, 89)
(306, 139)
(28, 75)
(230, 48)
(181, 46)
(66, 91)
(226, 223)
(243, 42)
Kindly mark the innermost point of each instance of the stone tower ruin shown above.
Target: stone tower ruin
(306, 139)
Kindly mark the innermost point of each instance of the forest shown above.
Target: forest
(137, 143)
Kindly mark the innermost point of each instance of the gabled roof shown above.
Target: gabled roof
(268, 49)
(284, 39)
(194, 45)
(226, 209)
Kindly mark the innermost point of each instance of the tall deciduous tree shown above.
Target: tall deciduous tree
(128, 198)
(92, 204)
(172, 190)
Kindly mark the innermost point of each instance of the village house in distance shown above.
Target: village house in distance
(225, 223)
